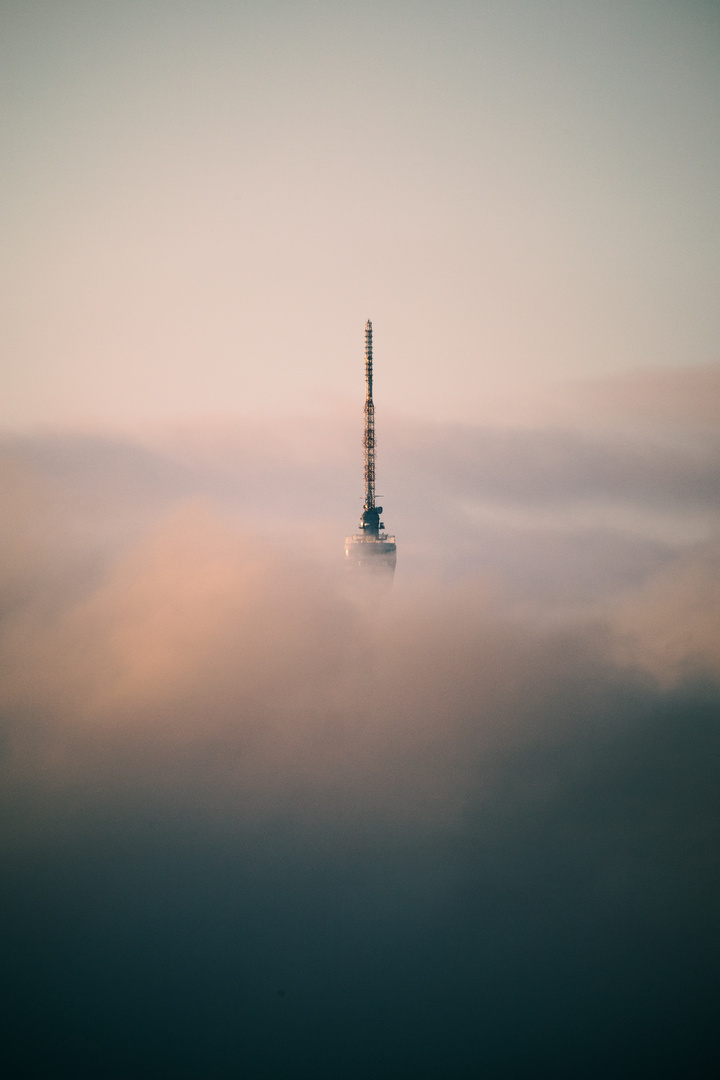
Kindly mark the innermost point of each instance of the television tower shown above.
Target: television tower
(370, 549)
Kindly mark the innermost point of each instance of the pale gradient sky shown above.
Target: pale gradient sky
(203, 202)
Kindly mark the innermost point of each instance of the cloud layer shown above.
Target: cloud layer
(259, 821)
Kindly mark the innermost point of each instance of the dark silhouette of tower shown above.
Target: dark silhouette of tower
(370, 549)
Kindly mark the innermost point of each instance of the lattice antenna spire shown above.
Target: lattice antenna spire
(369, 437)
(371, 549)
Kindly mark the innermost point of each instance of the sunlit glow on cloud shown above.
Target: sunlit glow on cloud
(208, 730)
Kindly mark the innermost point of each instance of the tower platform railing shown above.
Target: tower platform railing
(360, 538)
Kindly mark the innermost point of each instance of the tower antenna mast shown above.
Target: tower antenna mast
(370, 550)
(369, 437)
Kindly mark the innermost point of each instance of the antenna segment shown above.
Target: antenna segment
(369, 437)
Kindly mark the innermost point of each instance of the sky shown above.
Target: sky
(256, 819)
(204, 203)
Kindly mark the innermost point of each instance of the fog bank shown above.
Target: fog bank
(258, 822)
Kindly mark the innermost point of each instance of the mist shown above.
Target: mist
(259, 822)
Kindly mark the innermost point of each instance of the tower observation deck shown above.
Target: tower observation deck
(371, 548)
